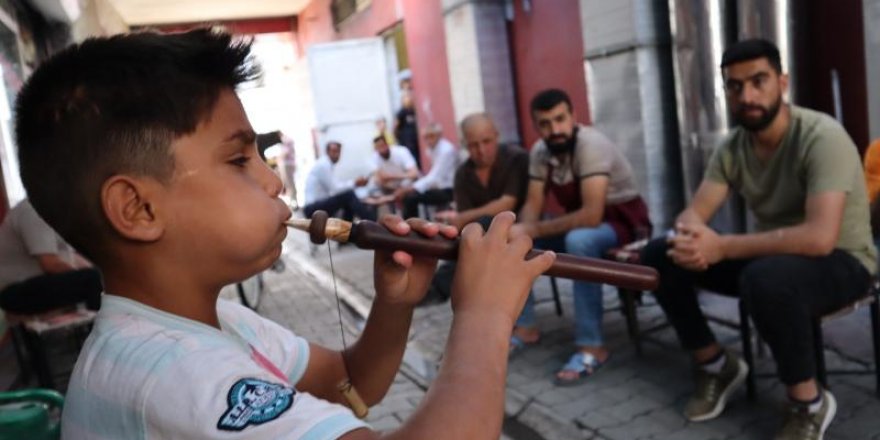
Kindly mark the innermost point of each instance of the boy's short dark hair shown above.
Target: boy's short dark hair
(113, 106)
(547, 99)
(379, 138)
(752, 49)
(332, 143)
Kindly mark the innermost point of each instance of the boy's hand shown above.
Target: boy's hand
(399, 277)
(492, 274)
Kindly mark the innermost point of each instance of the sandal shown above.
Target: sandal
(584, 364)
(518, 345)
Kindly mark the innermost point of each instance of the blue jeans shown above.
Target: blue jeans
(584, 242)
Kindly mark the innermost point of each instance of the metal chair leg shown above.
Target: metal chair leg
(746, 334)
(630, 312)
(556, 300)
(819, 353)
(19, 345)
(875, 335)
(39, 360)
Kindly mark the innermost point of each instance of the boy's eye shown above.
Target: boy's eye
(240, 161)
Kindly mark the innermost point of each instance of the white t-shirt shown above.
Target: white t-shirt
(147, 374)
(444, 160)
(23, 236)
(399, 161)
(321, 183)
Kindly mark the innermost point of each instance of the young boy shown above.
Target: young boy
(136, 150)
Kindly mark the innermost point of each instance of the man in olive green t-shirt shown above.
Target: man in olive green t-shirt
(800, 175)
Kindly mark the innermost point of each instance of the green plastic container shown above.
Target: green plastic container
(30, 414)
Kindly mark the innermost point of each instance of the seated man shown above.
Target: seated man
(800, 175)
(324, 191)
(39, 271)
(491, 181)
(395, 166)
(434, 188)
(592, 179)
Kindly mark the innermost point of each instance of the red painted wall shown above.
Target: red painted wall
(249, 27)
(315, 24)
(548, 51)
(426, 46)
(842, 49)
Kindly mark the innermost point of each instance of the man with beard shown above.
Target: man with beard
(800, 175)
(395, 165)
(592, 180)
(325, 192)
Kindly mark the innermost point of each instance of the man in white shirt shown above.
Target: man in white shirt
(39, 271)
(395, 165)
(434, 188)
(325, 192)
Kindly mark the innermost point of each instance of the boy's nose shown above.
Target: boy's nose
(271, 182)
(275, 186)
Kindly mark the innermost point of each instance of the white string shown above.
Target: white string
(336, 293)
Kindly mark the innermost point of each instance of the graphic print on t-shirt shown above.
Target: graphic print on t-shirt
(253, 402)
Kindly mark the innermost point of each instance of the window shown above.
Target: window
(343, 9)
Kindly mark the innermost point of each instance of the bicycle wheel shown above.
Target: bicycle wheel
(250, 291)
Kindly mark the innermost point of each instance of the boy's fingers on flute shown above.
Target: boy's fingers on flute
(472, 231)
(521, 244)
(448, 231)
(541, 263)
(424, 227)
(500, 227)
(395, 223)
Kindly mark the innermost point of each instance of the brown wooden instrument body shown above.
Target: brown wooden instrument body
(371, 235)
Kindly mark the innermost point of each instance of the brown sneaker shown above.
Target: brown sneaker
(801, 425)
(712, 390)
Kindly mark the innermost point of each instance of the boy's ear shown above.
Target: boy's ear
(131, 206)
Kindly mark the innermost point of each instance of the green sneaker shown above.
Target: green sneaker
(801, 425)
(712, 389)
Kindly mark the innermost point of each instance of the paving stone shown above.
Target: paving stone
(385, 423)
(642, 427)
(514, 402)
(548, 425)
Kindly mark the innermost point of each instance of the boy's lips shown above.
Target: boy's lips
(286, 212)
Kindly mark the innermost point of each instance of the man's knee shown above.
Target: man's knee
(587, 242)
(768, 282)
(412, 198)
(348, 196)
(308, 210)
(654, 254)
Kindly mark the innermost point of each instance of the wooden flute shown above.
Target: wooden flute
(370, 235)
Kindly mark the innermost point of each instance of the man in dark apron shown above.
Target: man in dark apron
(590, 178)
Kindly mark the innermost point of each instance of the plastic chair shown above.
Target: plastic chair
(28, 414)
